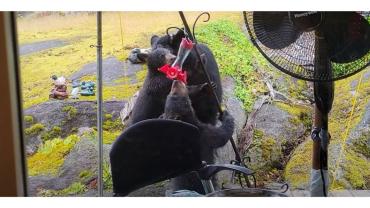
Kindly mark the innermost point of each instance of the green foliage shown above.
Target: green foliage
(235, 56)
(28, 119)
(50, 156)
(108, 116)
(111, 129)
(107, 176)
(347, 68)
(85, 175)
(34, 129)
(110, 124)
(70, 110)
(257, 135)
(109, 137)
(297, 88)
(55, 132)
(73, 189)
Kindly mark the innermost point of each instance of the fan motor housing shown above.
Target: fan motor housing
(306, 21)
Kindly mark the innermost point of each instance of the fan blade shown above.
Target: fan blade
(347, 35)
(274, 29)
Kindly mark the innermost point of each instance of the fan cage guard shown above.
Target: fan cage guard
(298, 58)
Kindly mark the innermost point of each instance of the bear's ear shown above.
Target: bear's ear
(176, 38)
(154, 39)
(143, 57)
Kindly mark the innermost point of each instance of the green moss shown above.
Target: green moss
(110, 137)
(361, 145)
(357, 170)
(34, 129)
(297, 88)
(50, 156)
(70, 110)
(298, 169)
(257, 135)
(85, 175)
(73, 189)
(28, 119)
(55, 132)
(265, 154)
(110, 124)
(108, 116)
(267, 146)
(300, 114)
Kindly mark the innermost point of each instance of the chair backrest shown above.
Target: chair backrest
(151, 151)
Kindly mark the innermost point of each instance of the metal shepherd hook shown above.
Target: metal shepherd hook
(191, 35)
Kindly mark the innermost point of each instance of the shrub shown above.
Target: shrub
(28, 119)
(34, 129)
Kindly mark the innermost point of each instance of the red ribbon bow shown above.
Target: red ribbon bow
(174, 73)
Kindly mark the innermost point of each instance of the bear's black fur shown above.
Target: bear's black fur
(204, 104)
(179, 106)
(152, 96)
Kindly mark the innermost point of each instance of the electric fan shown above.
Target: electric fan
(315, 46)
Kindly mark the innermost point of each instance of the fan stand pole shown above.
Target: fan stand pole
(324, 95)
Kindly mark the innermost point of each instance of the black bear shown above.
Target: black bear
(179, 107)
(204, 104)
(152, 96)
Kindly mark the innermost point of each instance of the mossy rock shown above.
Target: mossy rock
(72, 190)
(348, 154)
(357, 170)
(50, 156)
(298, 169)
(361, 145)
(71, 115)
(279, 129)
(70, 110)
(55, 132)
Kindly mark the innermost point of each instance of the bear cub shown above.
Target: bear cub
(179, 107)
(152, 96)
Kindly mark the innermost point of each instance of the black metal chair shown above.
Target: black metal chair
(154, 150)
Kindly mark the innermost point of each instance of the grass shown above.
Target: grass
(235, 55)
